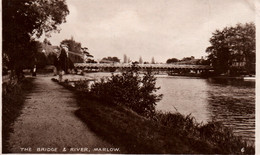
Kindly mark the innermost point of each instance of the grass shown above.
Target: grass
(12, 103)
(125, 129)
(164, 133)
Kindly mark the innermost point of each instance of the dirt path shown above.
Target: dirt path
(48, 123)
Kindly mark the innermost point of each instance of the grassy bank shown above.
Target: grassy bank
(163, 133)
(13, 98)
(135, 134)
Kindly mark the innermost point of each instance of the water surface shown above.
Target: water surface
(230, 101)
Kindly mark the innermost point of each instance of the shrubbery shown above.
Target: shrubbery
(131, 90)
(13, 97)
(156, 129)
(213, 133)
(82, 85)
(183, 125)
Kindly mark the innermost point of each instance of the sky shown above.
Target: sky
(161, 29)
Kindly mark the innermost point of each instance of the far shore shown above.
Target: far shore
(85, 76)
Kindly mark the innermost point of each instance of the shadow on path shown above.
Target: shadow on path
(48, 123)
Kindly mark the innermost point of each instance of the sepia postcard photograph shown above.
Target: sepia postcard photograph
(129, 76)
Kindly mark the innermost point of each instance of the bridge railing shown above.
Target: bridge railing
(163, 66)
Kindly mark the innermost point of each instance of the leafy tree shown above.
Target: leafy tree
(233, 45)
(46, 41)
(73, 46)
(129, 60)
(76, 47)
(125, 58)
(187, 58)
(140, 60)
(113, 59)
(52, 59)
(31, 56)
(131, 90)
(88, 55)
(203, 62)
(91, 61)
(25, 20)
(135, 63)
(172, 60)
(153, 61)
(41, 60)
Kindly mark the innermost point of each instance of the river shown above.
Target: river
(230, 101)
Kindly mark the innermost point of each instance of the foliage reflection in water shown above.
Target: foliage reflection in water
(230, 101)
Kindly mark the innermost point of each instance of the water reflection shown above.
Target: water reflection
(186, 95)
(229, 101)
(233, 103)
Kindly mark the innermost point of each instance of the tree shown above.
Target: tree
(125, 58)
(91, 61)
(46, 41)
(172, 60)
(41, 60)
(113, 59)
(81, 53)
(52, 59)
(203, 62)
(188, 58)
(129, 60)
(130, 89)
(153, 61)
(87, 55)
(73, 46)
(140, 60)
(76, 47)
(25, 20)
(233, 49)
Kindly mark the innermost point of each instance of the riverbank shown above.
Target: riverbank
(247, 77)
(166, 133)
(13, 100)
(235, 77)
(230, 101)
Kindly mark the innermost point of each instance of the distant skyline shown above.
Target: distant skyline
(150, 28)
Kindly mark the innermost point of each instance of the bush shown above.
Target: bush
(13, 97)
(213, 133)
(223, 137)
(183, 125)
(131, 90)
(82, 85)
(41, 60)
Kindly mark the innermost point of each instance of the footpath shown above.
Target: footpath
(48, 123)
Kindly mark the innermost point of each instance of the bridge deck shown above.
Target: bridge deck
(145, 66)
